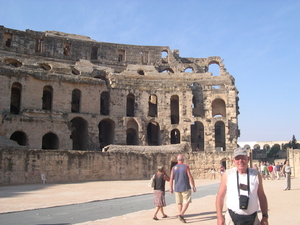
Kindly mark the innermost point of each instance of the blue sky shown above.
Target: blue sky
(259, 41)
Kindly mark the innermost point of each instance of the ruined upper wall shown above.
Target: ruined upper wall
(71, 48)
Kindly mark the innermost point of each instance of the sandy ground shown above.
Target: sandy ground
(283, 205)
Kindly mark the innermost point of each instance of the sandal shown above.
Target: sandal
(155, 218)
(165, 216)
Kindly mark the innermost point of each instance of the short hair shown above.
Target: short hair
(180, 158)
(160, 168)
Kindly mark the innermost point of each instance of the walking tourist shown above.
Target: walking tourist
(244, 189)
(183, 180)
(213, 173)
(159, 191)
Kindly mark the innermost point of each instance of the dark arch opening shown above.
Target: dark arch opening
(50, 141)
(20, 137)
(79, 133)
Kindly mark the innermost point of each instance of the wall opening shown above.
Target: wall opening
(144, 57)
(94, 53)
(130, 105)
(50, 141)
(67, 49)
(39, 45)
(47, 97)
(15, 98)
(153, 133)
(164, 56)
(197, 100)
(189, 70)
(174, 109)
(214, 68)
(79, 133)
(218, 108)
(121, 55)
(20, 137)
(106, 132)
(104, 104)
(7, 39)
(175, 136)
(220, 136)
(76, 98)
(132, 133)
(197, 136)
(152, 106)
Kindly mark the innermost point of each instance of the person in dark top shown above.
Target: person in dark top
(159, 191)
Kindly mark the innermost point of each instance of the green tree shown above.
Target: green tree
(273, 152)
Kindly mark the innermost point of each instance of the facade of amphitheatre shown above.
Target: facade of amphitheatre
(76, 109)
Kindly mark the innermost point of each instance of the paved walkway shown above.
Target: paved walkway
(283, 205)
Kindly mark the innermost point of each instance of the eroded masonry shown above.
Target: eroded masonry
(69, 92)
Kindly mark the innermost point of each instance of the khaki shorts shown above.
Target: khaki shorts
(183, 197)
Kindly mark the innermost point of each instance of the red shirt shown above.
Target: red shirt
(270, 168)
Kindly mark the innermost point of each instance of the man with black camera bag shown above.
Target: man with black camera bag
(244, 189)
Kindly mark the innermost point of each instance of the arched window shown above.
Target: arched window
(218, 108)
(50, 141)
(15, 98)
(76, 98)
(130, 105)
(220, 136)
(106, 132)
(20, 137)
(104, 107)
(174, 106)
(214, 68)
(197, 136)
(164, 56)
(152, 106)
(153, 133)
(79, 134)
(189, 70)
(132, 133)
(175, 136)
(47, 98)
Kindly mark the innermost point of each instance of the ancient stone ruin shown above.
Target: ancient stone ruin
(68, 92)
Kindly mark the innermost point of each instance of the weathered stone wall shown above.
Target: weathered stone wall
(30, 61)
(19, 166)
(294, 158)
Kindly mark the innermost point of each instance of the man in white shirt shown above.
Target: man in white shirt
(244, 189)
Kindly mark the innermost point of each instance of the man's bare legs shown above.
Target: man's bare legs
(181, 209)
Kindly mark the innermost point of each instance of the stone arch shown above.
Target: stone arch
(50, 141)
(106, 132)
(76, 101)
(174, 107)
(197, 136)
(218, 108)
(152, 106)
(220, 136)
(189, 69)
(267, 147)
(164, 56)
(104, 104)
(247, 147)
(47, 97)
(132, 133)
(130, 102)
(214, 68)
(12, 62)
(153, 133)
(79, 133)
(15, 98)
(256, 146)
(175, 136)
(20, 137)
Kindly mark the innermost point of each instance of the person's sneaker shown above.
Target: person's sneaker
(181, 219)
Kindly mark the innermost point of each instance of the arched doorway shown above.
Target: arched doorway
(106, 132)
(79, 133)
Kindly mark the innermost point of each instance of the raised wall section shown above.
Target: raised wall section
(19, 166)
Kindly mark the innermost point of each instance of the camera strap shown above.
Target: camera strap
(238, 182)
